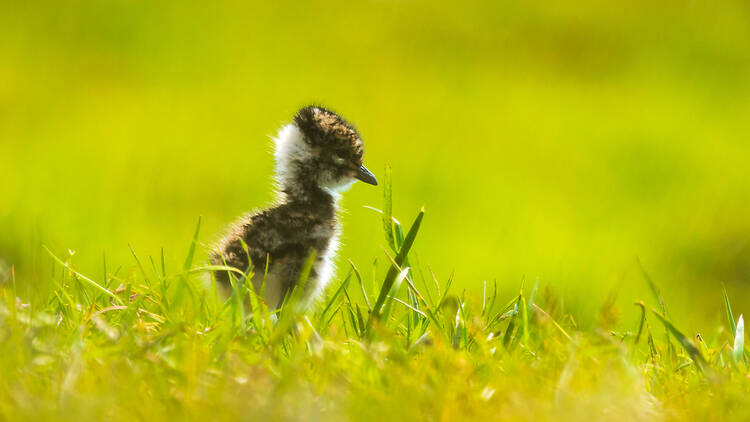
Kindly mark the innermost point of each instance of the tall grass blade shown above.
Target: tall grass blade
(394, 290)
(532, 296)
(361, 285)
(508, 336)
(140, 266)
(653, 287)
(660, 300)
(193, 244)
(693, 351)
(334, 298)
(388, 209)
(490, 305)
(730, 316)
(390, 277)
(400, 239)
(640, 324)
(183, 284)
(525, 320)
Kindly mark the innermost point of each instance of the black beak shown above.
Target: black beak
(364, 175)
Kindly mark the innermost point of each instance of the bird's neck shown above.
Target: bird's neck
(309, 196)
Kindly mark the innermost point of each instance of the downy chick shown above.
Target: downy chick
(317, 156)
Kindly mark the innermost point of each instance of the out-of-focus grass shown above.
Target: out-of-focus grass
(553, 140)
(154, 345)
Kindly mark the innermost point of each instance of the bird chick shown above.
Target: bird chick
(317, 156)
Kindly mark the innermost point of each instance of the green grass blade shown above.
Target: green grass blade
(532, 296)
(83, 277)
(360, 319)
(105, 278)
(684, 341)
(558, 326)
(183, 281)
(525, 320)
(361, 285)
(140, 266)
(334, 298)
(512, 304)
(212, 268)
(441, 299)
(488, 305)
(393, 270)
(653, 287)
(388, 208)
(730, 316)
(508, 336)
(193, 245)
(641, 323)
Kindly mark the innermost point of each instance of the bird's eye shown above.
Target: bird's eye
(339, 159)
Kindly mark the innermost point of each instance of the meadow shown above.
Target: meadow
(589, 156)
(152, 345)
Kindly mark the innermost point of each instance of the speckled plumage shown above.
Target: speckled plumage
(317, 156)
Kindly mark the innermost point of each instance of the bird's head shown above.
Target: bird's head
(320, 148)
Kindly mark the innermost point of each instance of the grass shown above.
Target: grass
(551, 140)
(148, 344)
(572, 157)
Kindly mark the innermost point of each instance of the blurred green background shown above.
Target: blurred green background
(558, 140)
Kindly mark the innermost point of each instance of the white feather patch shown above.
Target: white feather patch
(289, 146)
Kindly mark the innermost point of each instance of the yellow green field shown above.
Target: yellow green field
(551, 144)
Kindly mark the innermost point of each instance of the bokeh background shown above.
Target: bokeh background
(550, 140)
